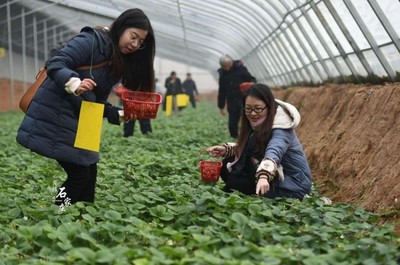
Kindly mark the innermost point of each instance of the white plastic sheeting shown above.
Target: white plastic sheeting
(281, 42)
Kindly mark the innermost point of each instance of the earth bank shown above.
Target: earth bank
(351, 136)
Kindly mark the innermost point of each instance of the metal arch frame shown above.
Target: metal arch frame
(101, 12)
(312, 44)
(44, 32)
(218, 30)
(298, 54)
(276, 20)
(205, 49)
(349, 38)
(332, 35)
(220, 43)
(374, 45)
(244, 36)
(277, 49)
(385, 23)
(269, 36)
(323, 42)
(296, 20)
(284, 12)
(215, 29)
(255, 64)
(282, 35)
(175, 52)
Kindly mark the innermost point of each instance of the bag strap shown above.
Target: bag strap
(87, 67)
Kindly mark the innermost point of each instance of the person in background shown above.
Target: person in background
(50, 125)
(159, 88)
(268, 158)
(231, 75)
(189, 86)
(173, 87)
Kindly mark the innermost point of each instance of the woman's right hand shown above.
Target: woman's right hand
(262, 186)
(216, 151)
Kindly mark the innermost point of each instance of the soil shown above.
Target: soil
(350, 134)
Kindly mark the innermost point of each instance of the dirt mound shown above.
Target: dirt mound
(350, 134)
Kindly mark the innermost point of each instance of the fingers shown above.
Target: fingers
(131, 117)
(85, 85)
(262, 187)
(216, 151)
(88, 84)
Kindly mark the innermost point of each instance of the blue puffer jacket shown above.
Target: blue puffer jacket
(286, 150)
(50, 124)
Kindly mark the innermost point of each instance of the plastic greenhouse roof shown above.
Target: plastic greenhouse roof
(281, 42)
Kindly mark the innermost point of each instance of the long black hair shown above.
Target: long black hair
(137, 68)
(263, 132)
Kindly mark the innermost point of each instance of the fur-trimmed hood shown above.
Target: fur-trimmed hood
(287, 116)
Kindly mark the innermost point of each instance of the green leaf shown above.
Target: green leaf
(201, 238)
(85, 254)
(104, 256)
(112, 215)
(239, 218)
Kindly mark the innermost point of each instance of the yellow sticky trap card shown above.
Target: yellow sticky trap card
(182, 100)
(89, 126)
(168, 105)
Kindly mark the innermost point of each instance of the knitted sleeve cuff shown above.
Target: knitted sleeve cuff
(229, 149)
(268, 168)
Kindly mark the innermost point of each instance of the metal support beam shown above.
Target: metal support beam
(10, 55)
(385, 23)
(371, 40)
(336, 42)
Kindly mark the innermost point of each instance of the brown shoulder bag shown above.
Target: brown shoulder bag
(40, 77)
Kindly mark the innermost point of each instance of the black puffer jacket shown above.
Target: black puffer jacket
(50, 124)
(229, 82)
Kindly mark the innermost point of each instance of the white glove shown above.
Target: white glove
(72, 85)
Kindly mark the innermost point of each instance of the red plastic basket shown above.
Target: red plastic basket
(142, 104)
(210, 170)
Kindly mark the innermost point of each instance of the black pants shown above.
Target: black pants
(129, 127)
(192, 100)
(240, 182)
(234, 112)
(80, 183)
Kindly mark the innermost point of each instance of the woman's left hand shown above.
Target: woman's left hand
(262, 186)
(85, 85)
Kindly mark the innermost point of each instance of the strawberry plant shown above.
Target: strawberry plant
(153, 208)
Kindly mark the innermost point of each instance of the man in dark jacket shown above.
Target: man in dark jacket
(173, 87)
(189, 86)
(231, 75)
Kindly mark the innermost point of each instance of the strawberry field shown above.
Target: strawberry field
(152, 208)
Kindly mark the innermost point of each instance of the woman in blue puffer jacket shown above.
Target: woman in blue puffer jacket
(268, 159)
(50, 124)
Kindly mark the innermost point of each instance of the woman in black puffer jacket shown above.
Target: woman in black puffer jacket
(50, 125)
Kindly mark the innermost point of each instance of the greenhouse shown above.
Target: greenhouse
(336, 62)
